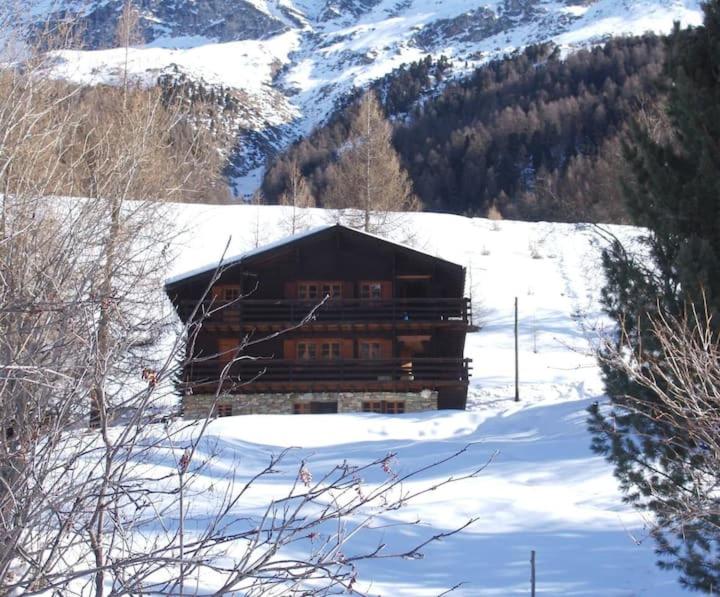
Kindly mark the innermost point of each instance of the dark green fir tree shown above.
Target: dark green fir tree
(675, 194)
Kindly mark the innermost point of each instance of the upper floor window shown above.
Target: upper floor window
(318, 290)
(322, 349)
(371, 290)
(330, 350)
(227, 292)
(307, 290)
(369, 350)
(306, 351)
(332, 289)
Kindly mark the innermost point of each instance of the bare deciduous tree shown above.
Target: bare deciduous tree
(128, 33)
(298, 197)
(368, 185)
(83, 333)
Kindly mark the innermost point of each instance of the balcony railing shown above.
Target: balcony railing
(336, 310)
(263, 371)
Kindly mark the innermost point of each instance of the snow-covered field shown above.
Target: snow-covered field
(544, 490)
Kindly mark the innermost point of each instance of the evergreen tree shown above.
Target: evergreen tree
(675, 193)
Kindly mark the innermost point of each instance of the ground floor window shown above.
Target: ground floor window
(315, 408)
(391, 407)
(224, 410)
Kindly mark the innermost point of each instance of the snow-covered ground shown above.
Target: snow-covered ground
(544, 490)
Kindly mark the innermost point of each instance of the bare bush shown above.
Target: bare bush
(84, 339)
(681, 371)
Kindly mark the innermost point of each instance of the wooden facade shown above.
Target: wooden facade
(391, 319)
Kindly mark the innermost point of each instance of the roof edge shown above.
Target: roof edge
(239, 258)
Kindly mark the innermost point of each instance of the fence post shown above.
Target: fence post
(517, 375)
(532, 573)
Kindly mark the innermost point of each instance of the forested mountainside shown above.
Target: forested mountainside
(532, 135)
(287, 63)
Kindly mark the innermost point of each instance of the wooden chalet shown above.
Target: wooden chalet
(388, 335)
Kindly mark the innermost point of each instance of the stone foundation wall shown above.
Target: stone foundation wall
(197, 406)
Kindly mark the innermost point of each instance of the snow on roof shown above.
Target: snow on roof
(235, 259)
(246, 254)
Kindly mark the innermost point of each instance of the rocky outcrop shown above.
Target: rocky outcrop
(478, 24)
(217, 20)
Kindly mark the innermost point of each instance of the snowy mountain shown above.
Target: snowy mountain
(290, 61)
(545, 490)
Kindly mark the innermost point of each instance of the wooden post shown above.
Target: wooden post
(517, 375)
(532, 573)
(181, 530)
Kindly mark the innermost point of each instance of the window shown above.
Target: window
(317, 290)
(309, 350)
(323, 408)
(395, 407)
(371, 290)
(390, 407)
(227, 293)
(370, 350)
(372, 407)
(231, 293)
(306, 351)
(224, 410)
(330, 351)
(307, 291)
(332, 289)
(315, 408)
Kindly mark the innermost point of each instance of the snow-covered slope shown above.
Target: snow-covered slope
(295, 58)
(544, 491)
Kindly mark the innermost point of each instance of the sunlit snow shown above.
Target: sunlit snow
(545, 489)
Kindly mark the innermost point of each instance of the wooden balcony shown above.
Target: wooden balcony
(282, 375)
(336, 313)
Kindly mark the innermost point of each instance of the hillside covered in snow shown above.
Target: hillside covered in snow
(291, 61)
(544, 490)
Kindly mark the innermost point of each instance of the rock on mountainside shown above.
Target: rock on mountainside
(219, 20)
(291, 61)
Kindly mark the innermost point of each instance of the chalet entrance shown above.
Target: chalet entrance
(315, 408)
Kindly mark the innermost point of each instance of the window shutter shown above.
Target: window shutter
(226, 348)
(290, 290)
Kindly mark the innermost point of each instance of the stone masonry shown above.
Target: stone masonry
(197, 406)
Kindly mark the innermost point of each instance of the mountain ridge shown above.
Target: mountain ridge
(292, 61)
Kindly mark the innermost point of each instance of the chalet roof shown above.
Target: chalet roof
(248, 256)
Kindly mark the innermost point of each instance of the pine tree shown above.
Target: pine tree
(675, 193)
(368, 178)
